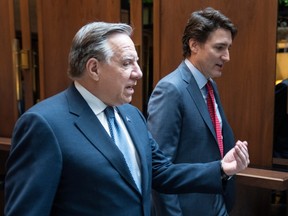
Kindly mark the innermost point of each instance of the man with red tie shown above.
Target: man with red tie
(186, 117)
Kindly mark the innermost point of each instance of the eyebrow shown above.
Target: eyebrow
(136, 58)
(223, 44)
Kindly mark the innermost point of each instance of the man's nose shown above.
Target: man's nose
(137, 72)
(226, 56)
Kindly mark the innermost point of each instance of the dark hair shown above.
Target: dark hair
(91, 41)
(203, 22)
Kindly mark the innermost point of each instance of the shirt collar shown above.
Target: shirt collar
(199, 77)
(95, 103)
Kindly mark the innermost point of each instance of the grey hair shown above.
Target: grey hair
(91, 42)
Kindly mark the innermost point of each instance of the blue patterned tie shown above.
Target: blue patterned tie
(119, 139)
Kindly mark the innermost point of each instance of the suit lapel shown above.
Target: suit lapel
(196, 96)
(93, 130)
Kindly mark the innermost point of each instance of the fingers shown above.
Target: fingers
(242, 155)
(237, 159)
(243, 150)
(243, 143)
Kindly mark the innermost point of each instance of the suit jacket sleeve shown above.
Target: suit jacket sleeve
(180, 178)
(34, 150)
(184, 177)
(164, 96)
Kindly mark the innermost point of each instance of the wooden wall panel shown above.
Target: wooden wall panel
(136, 23)
(58, 21)
(8, 104)
(247, 88)
(247, 83)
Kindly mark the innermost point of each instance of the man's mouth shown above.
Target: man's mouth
(130, 88)
(220, 65)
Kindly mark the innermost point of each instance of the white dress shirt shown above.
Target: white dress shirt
(98, 108)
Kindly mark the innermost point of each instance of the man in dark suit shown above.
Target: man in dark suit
(64, 159)
(178, 117)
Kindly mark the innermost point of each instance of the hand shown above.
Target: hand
(237, 159)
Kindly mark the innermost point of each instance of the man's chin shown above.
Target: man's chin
(217, 74)
(126, 100)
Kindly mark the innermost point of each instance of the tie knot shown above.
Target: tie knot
(109, 112)
(209, 86)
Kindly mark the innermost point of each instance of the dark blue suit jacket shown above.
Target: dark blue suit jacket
(179, 121)
(63, 162)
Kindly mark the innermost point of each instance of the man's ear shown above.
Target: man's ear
(92, 68)
(194, 45)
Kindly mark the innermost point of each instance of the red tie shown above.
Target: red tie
(213, 115)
